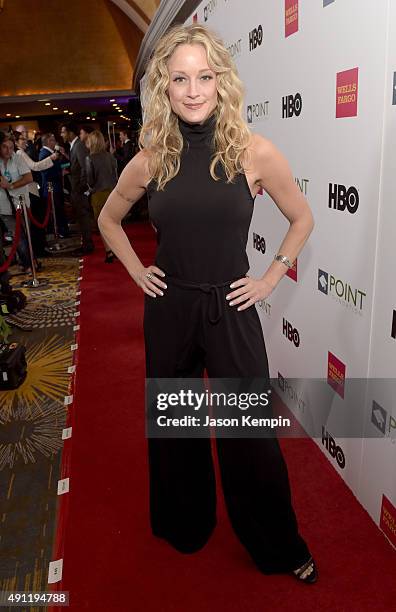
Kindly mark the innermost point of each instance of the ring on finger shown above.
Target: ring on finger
(149, 275)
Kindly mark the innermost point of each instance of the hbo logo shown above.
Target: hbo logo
(342, 198)
(291, 333)
(334, 450)
(255, 38)
(258, 243)
(291, 105)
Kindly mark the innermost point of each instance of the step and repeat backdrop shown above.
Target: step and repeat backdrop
(320, 83)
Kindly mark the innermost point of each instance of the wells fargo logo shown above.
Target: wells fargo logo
(347, 93)
(291, 17)
(336, 374)
(388, 519)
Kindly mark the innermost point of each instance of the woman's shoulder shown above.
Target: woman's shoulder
(260, 145)
(141, 163)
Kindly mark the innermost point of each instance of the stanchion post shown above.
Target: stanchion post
(22, 205)
(51, 194)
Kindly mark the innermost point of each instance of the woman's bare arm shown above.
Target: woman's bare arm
(129, 189)
(275, 177)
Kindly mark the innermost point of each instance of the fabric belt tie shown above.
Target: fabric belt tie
(216, 302)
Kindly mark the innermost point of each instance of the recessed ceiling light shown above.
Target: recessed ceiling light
(71, 113)
(47, 104)
(54, 108)
(17, 116)
(115, 104)
(65, 111)
(88, 117)
(112, 100)
(8, 115)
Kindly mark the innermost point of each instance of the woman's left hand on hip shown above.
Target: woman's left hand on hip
(248, 291)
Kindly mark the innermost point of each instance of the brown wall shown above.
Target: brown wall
(56, 46)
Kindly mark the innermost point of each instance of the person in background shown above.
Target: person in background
(36, 203)
(101, 169)
(15, 176)
(126, 151)
(30, 148)
(37, 144)
(79, 186)
(53, 175)
(85, 131)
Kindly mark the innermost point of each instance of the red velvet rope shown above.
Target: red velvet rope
(46, 218)
(15, 243)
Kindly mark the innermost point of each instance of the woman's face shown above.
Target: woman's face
(7, 149)
(192, 84)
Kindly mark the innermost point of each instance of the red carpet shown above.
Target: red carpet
(111, 562)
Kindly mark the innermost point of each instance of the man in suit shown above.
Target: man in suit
(126, 151)
(79, 186)
(53, 175)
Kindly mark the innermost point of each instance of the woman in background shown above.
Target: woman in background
(101, 169)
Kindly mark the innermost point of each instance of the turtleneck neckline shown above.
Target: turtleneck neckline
(198, 134)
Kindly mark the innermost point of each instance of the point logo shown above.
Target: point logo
(235, 48)
(288, 389)
(209, 8)
(257, 112)
(379, 418)
(341, 291)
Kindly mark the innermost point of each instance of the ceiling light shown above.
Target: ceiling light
(88, 117)
(17, 116)
(47, 104)
(71, 113)
(8, 115)
(115, 104)
(112, 100)
(54, 108)
(65, 111)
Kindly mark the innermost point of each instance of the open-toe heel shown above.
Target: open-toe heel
(307, 573)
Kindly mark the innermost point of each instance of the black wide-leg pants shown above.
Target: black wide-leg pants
(181, 340)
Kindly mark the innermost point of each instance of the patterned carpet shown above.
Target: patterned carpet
(32, 418)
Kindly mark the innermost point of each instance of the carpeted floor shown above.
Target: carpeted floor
(110, 559)
(32, 418)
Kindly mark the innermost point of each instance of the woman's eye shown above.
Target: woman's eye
(205, 76)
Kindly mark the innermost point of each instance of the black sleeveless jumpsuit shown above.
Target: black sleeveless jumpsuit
(202, 228)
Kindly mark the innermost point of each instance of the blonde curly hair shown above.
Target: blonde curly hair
(160, 133)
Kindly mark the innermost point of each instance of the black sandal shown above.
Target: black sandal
(302, 575)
